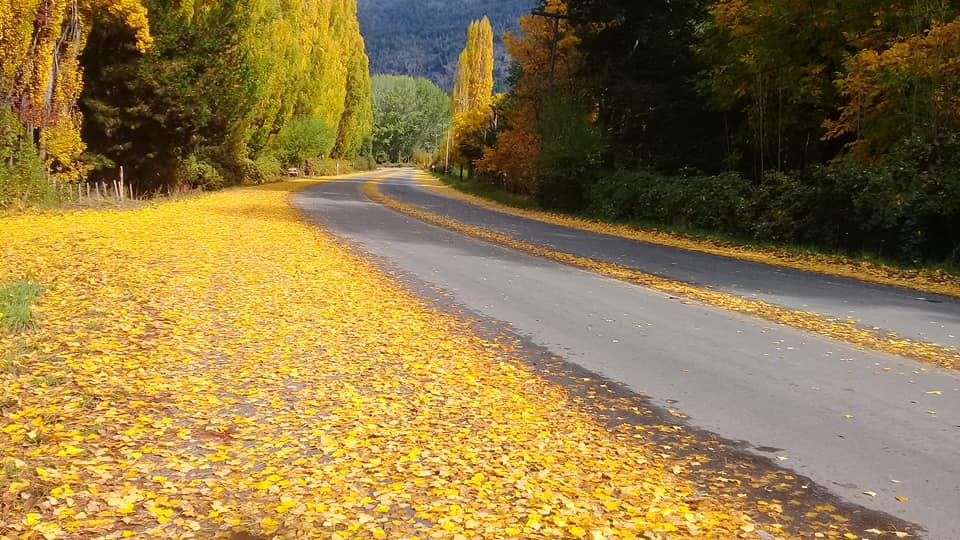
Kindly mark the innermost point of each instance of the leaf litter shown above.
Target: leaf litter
(215, 368)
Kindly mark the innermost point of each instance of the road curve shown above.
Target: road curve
(851, 420)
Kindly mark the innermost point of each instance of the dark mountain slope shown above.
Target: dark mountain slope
(423, 38)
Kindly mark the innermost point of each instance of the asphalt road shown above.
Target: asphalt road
(852, 421)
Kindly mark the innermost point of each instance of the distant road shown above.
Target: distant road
(851, 420)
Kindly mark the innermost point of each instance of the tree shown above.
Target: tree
(638, 64)
(355, 133)
(213, 92)
(409, 115)
(473, 81)
(911, 87)
(540, 70)
(40, 75)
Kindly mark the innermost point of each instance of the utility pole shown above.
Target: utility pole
(446, 167)
(557, 17)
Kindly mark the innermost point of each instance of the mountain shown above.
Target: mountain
(423, 38)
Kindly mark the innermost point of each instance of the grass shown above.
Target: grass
(16, 305)
(488, 191)
(502, 196)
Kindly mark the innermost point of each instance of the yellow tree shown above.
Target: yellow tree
(910, 87)
(543, 70)
(40, 75)
(473, 81)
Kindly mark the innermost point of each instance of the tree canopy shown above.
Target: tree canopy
(177, 91)
(410, 114)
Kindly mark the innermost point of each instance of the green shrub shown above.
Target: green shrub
(22, 180)
(570, 152)
(303, 139)
(906, 208)
(199, 173)
(716, 203)
(363, 163)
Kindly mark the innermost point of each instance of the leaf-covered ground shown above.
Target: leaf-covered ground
(214, 367)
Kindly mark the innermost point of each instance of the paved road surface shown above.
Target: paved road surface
(739, 377)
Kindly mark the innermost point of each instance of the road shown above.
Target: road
(853, 421)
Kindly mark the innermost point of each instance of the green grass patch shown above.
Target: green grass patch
(487, 191)
(16, 305)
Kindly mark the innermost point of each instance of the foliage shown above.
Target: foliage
(212, 86)
(473, 79)
(198, 172)
(911, 88)
(476, 110)
(638, 66)
(327, 167)
(423, 38)
(902, 209)
(354, 136)
(40, 73)
(409, 115)
(22, 179)
(16, 305)
(571, 148)
(539, 71)
(301, 139)
(514, 160)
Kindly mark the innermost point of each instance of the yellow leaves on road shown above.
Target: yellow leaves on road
(213, 366)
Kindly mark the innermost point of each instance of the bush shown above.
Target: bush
(363, 163)
(268, 168)
(198, 173)
(22, 180)
(303, 139)
(906, 208)
(422, 158)
(570, 151)
(717, 203)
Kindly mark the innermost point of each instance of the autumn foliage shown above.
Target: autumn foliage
(915, 82)
(196, 93)
(40, 73)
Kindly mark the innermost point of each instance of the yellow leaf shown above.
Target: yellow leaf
(18, 486)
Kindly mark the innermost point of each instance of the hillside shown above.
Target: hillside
(423, 38)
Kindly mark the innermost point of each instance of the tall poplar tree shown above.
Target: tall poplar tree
(473, 81)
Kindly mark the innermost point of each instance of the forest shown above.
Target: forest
(179, 94)
(814, 124)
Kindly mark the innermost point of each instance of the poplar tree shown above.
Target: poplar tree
(473, 81)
